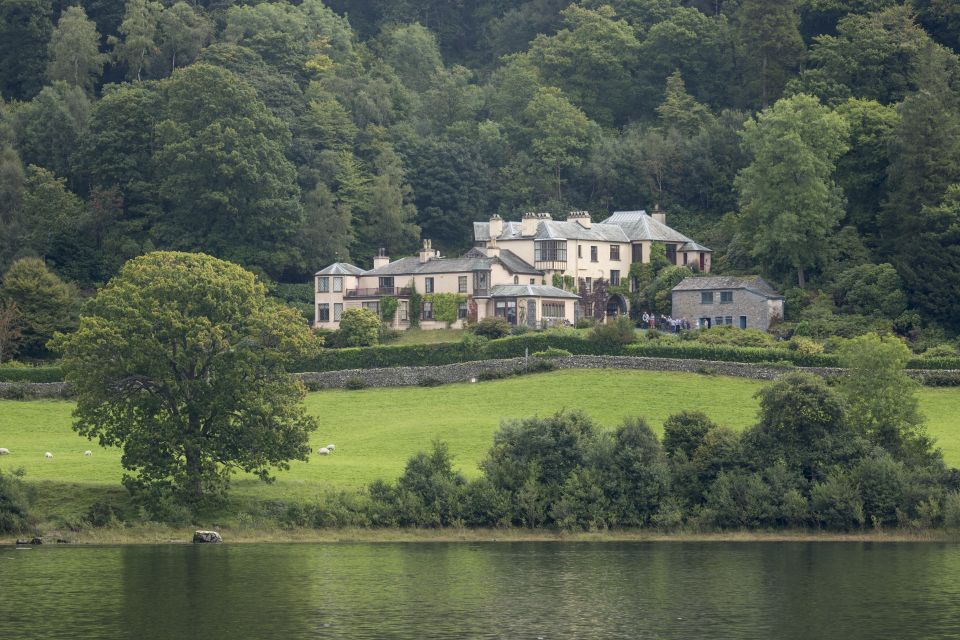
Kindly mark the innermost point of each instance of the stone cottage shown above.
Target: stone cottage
(744, 302)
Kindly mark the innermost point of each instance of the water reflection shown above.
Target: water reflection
(494, 590)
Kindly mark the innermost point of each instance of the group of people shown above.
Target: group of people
(664, 322)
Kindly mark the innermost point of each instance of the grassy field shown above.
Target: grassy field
(375, 431)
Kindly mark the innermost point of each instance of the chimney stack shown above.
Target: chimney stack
(427, 253)
(381, 259)
(496, 226)
(658, 215)
(493, 250)
(580, 217)
(529, 224)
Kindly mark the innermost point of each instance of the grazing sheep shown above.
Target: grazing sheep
(48, 455)
(331, 447)
(88, 453)
(323, 451)
(4, 451)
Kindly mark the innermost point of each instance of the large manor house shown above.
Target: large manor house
(510, 272)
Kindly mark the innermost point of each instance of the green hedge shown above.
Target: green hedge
(728, 353)
(31, 374)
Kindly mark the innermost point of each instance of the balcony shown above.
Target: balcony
(378, 292)
(551, 265)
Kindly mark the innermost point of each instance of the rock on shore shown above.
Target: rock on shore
(207, 537)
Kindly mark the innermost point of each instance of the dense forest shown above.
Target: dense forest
(816, 142)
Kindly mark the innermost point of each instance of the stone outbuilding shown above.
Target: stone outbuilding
(745, 302)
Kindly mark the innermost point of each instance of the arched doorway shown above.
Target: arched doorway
(616, 306)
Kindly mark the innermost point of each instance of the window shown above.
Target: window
(323, 313)
(672, 253)
(553, 310)
(588, 282)
(337, 311)
(403, 308)
(427, 313)
(323, 284)
(614, 278)
(338, 284)
(706, 297)
(743, 322)
(533, 281)
(638, 253)
(428, 285)
(685, 258)
(615, 252)
(507, 309)
(726, 297)
(516, 279)
(634, 283)
(718, 321)
(372, 306)
(728, 320)
(550, 251)
(480, 283)
(579, 250)
(462, 311)
(593, 253)
(386, 282)
(462, 284)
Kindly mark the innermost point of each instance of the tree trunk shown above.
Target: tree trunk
(801, 278)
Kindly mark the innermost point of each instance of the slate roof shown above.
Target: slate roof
(340, 269)
(529, 291)
(473, 260)
(756, 284)
(622, 226)
(693, 246)
(638, 225)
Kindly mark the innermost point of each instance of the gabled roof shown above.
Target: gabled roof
(640, 226)
(340, 269)
(529, 291)
(473, 260)
(755, 284)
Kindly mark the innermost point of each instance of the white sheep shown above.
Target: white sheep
(48, 455)
(88, 453)
(323, 451)
(331, 447)
(4, 451)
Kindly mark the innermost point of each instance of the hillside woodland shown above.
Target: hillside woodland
(816, 142)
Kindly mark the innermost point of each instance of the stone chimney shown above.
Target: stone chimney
(658, 214)
(529, 224)
(493, 249)
(496, 226)
(381, 259)
(427, 252)
(580, 217)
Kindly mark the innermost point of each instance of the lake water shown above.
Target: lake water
(484, 590)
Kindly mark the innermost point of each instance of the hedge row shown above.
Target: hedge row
(31, 374)
(517, 346)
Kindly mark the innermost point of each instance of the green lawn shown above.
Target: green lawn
(432, 336)
(375, 431)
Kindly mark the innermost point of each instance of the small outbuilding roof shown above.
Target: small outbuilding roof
(530, 291)
(756, 284)
(340, 269)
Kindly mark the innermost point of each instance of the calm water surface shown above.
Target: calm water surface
(490, 590)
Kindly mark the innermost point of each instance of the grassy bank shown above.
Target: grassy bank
(161, 534)
(377, 430)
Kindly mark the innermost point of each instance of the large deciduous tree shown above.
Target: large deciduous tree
(75, 50)
(182, 361)
(789, 202)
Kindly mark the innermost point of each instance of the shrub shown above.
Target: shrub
(684, 432)
(14, 503)
(492, 327)
(359, 328)
(103, 514)
(552, 352)
(519, 330)
(483, 505)
(355, 384)
(836, 503)
(881, 481)
(585, 323)
(940, 351)
(951, 510)
(738, 499)
(21, 373)
(806, 346)
(615, 333)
